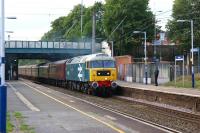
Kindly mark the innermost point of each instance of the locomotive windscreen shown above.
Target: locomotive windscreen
(102, 64)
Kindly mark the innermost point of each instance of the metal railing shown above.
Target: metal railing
(135, 72)
(50, 45)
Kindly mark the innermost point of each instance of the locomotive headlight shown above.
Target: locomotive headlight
(114, 85)
(95, 85)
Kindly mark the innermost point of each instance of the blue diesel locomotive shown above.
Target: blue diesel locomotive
(93, 74)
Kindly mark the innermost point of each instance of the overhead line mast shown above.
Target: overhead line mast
(81, 19)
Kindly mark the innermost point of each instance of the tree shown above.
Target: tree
(181, 32)
(57, 31)
(135, 13)
(137, 17)
(69, 27)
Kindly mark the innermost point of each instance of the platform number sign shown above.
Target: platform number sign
(179, 58)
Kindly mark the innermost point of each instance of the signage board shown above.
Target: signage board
(179, 58)
(194, 50)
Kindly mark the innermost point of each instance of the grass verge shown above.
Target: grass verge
(187, 83)
(9, 125)
(24, 128)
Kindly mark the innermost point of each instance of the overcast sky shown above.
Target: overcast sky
(34, 16)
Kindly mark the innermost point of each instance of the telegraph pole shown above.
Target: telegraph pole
(81, 19)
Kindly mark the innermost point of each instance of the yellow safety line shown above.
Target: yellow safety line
(107, 124)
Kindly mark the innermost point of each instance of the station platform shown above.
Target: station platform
(193, 92)
(182, 99)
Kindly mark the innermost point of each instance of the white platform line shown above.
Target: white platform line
(110, 117)
(23, 99)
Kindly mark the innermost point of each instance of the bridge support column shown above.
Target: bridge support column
(11, 71)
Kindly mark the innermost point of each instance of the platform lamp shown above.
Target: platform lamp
(192, 48)
(9, 32)
(155, 32)
(145, 51)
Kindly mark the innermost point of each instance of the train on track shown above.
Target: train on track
(92, 74)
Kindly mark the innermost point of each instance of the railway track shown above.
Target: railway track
(165, 118)
(189, 116)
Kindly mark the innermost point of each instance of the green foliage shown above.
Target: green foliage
(26, 128)
(181, 32)
(9, 125)
(23, 127)
(136, 15)
(187, 82)
(69, 27)
(18, 115)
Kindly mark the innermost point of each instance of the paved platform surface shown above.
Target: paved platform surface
(49, 111)
(171, 90)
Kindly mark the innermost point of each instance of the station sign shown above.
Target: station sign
(179, 58)
(194, 50)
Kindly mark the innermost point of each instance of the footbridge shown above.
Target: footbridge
(51, 51)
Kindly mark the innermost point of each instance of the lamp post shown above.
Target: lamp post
(11, 17)
(155, 32)
(3, 88)
(192, 41)
(9, 32)
(145, 52)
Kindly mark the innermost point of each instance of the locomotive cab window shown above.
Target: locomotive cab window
(87, 64)
(109, 64)
(102, 64)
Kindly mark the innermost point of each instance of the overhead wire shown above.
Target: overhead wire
(145, 21)
(189, 14)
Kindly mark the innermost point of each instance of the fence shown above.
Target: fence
(135, 72)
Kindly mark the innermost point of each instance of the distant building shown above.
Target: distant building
(162, 39)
